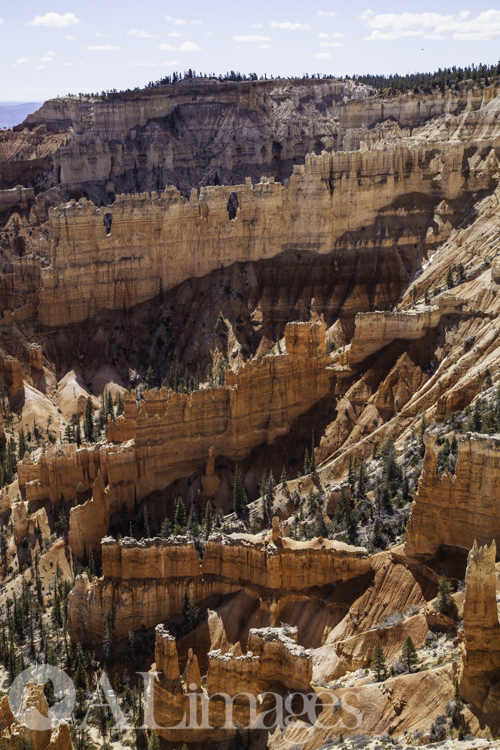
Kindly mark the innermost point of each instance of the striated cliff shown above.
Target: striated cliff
(134, 574)
(457, 510)
(201, 132)
(114, 257)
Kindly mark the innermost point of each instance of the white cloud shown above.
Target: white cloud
(68, 36)
(208, 33)
(67, 64)
(172, 62)
(189, 47)
(141, 34)
(22, 60)
(55, 19)
(103, 47)
(323, 36)
(323, 55)
(46, 59)
(50, 54)
(98, 33)
(181, 21)
(1, 20)
(252, 38)
(264, 46)
(388, 26)
(40, 67)
(175, 33)
(255, 26)
(336, 35)
(166, 47)
(331, 44)
(144, 65)
(326, 14)
(290, 26)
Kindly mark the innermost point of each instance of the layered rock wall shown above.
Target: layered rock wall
(457, 510)
(146, 581)
(114, 257)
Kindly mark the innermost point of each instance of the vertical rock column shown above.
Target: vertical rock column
(13, 377)
(36, 367)
(480, 677)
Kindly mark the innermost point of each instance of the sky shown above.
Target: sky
(54, 47)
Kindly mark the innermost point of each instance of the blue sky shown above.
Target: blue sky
(56, 47)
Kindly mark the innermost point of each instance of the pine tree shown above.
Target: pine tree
(208, 522)
(445, 603)
(239, 494)
(180, 519)
(449, 278)
(306, 461)
(23, 446)
(91, 565)
(78, 434)
(154, 742)
(312, 462)
(109, 407)
(88, 422)
(120, 408)
(362, 479)
(409, 654)
(378, 662)
(108, 633)
(477, 419)
(79, 676)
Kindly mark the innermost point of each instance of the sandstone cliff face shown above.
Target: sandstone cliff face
(134, 574)
(333, 195)
(225, 131)
(456, 511)
(480, 678)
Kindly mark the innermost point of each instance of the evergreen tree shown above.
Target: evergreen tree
(108, 633)
(154, 742)
(208, 522)
(409, 654)
(445, 603)
(190, 611)
(449, 278)
(477, 419)
(88, 422)
(312, 462)
(362, 479)
(23, 446)
(78, 434)
(378, 662)
(79, 676)
(180, 519)
(239, 494)
(306, 462)
(120, 408)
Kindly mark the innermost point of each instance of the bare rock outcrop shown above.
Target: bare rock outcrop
(457, 510)
(480, 678)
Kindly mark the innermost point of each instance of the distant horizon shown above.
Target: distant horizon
(45, 53)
